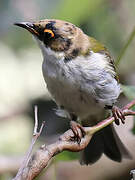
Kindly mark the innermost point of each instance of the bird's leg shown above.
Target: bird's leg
(118, 115)
(78, 131)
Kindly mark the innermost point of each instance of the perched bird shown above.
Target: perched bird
(81, 77)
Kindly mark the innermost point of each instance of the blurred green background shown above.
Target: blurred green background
(22, 85)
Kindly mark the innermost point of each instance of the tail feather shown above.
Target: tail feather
(105, 141)
(93, 151)
(111, 148)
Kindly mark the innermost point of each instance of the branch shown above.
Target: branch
(36, 134)
(40, 159)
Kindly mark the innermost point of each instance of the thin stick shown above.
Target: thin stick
(36, 120)
(36, 134)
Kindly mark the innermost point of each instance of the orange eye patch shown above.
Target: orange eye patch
(50, 32)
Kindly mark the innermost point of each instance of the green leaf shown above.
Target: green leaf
(67, 156)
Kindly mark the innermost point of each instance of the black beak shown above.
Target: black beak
(29, 26)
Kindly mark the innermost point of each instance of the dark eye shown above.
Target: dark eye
(48, 33)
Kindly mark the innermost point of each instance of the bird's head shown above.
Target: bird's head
(59, 36)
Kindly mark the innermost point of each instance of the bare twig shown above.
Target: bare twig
(36, 134)
(42, 156)
(36, 120)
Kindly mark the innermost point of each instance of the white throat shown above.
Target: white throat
(46, 51)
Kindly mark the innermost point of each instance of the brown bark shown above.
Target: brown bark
(34, 164)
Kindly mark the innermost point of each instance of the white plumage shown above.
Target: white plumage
(81, 77)
(82, 86)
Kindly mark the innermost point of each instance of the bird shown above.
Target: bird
(81, 77)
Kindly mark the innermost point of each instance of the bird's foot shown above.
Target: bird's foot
(118, 115)
(78, 131)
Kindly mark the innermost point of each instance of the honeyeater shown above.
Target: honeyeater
(81, 77)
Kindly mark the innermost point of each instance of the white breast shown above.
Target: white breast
(79, 85)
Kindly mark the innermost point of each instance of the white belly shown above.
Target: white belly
(82, 88)
(68, 92)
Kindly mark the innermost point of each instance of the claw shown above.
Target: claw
(78, 131)
(118, 115)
